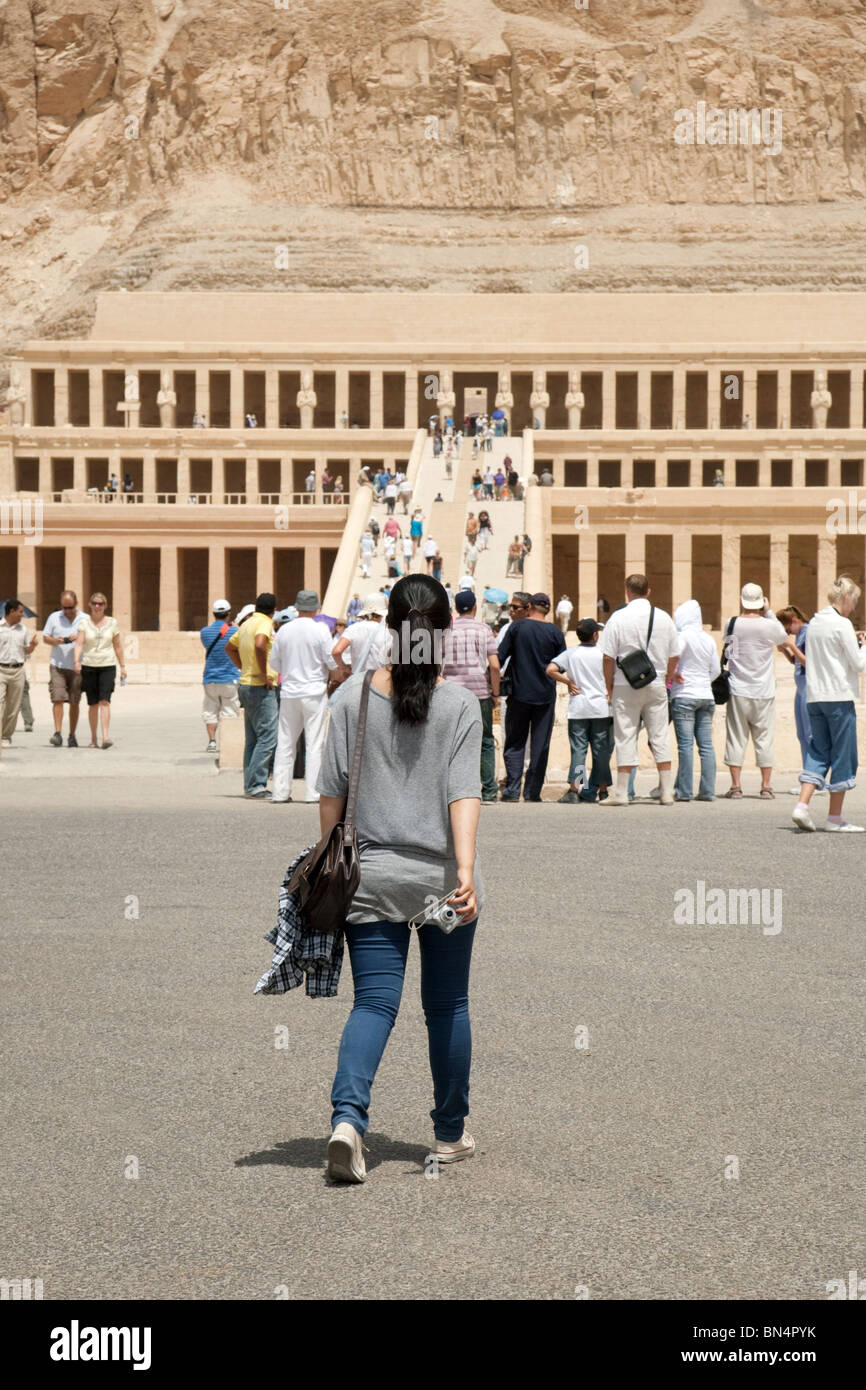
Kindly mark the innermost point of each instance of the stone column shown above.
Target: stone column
(202, 392)
(681, 565)
(559, 471)
(608, 399)
(252, 481)
(778, 569)
(798, 470)
(678, 411)
(7, 471)
(96, 397)
(265, 570)
(377, 400)
(74, 571)
(750, 394)
(783, 387)
(834, 469)
(218, 479)
(272, 398)
(644, 398)
(236, 407)
(169, 597)
(121, 596)
(61, 396)
(765, 470)
(27, 576)
(79, 473)
(312, 567)
(341, 394)
(182, 479)
(715, 376)
(592, 473)
(826, 565)
(286, 476)
(730, 575)
(216, 572)
(148, 475)
(587, 570)
(635, 550)
(43, 476)
(410, 409)
(856, 370)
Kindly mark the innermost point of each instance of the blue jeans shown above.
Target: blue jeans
(378, 952)
(596, 734)
(261, 714)
(801, 719)
(833, 744)
(693, 722)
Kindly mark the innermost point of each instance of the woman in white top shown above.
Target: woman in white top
(98, 652)
(836, 658)
(692, 703)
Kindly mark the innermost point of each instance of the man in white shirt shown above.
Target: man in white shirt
(368, 545)
(590, 725)
(64, 686)
(628, 631)
(430, 551)
(405, 491)
(390, 496)
(365, 644)
(15, 646)
(310, 484)
(751, 707)
(564, 610)
(302, 656)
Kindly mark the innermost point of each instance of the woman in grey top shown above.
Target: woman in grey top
(417, 817)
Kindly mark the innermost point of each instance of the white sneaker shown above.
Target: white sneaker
(852, 829)
(800, 816)
(7, 743)
(447, 1152)
(794, 791)
(211, 748)
(346, 1155)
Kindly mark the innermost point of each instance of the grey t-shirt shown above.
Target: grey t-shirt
(409, 776)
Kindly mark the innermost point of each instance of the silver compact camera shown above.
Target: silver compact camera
(439, 912)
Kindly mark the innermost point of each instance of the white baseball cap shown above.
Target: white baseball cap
(752, 596)
(375, 603)
(222, 605)
(245, 612)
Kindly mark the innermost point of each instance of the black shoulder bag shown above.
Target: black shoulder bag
(721, 686)
(327, 878)
(636, 666)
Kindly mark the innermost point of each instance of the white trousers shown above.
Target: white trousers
(307, 713)
(629, 707)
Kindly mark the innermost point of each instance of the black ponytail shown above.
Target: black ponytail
(419, 614)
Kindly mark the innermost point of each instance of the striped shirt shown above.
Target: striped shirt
(466, 648)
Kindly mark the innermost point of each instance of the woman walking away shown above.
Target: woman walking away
(692, 703)
(421, 731)
(836, 656)
(795, 624)
(485, 530)
(97, 647)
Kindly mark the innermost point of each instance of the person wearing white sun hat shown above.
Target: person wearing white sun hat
(751, 710)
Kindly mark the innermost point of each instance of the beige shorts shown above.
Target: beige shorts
(628, 708)
(64, 686)
(745, 716)
(220, 701)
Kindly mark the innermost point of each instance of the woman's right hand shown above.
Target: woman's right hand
(78, 668)
(464, 899)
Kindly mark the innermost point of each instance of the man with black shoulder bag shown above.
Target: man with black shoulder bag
(641, 648)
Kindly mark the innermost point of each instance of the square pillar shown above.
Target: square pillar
(218, 479)
(681, 565)
(592, 473)
(236, 406)
(121, 597)
(341, 393)
(312, 567)
(750, 395)
(182, 478)
(79, 473)
(834, 469)
(635, 551)
(608, 399)
(798, 470)
(730, 575)
(272, 398)
(27, 576)
(644, 388)
(826, 566)
(377, 400)
(169, 598)
(148, 476)
(202, 392)
(286, 477)
(252, 481)
(678, 413)
(265, 569)
(856, 370)
(783, 405)
(410, 410)
(778, 594)
(61, 396)
(765, 470)
(587, 571)
(96, 397)
(714, 397)
(74, 570)
(216, 572)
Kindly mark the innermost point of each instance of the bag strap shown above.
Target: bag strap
(728, 630)
(222, 632)
(355, 775)
(649, 631)
(366, 652)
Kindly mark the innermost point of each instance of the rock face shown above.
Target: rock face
(452, 103)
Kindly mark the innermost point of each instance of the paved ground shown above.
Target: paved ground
(603, 1167)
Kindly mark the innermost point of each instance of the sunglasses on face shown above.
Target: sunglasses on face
(97, 603)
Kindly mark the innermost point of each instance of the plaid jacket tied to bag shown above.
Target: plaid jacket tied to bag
(300, 952)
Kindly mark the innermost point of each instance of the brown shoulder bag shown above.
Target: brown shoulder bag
(327, 877)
